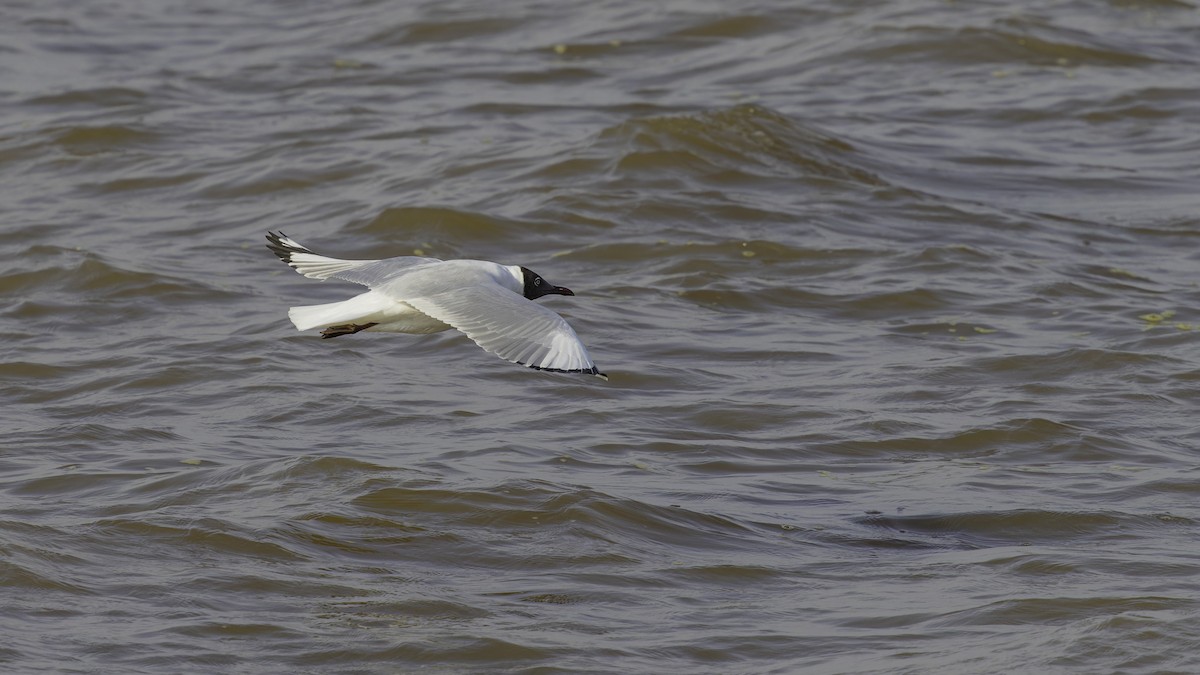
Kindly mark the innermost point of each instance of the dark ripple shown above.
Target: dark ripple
(1072, 364)
(447, 30)
(1014, 527)
(83, 141)
(583, 514)
(289, 179)
(91, 98)
(88, 277)
(1014, 40)
(439, 229)
(729, 146)
(207, 537)
(1057, 611)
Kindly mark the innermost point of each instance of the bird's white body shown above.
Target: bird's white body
(487, 301)
(389, 316)
(380, 306)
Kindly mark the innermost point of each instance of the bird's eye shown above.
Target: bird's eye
(537, 282)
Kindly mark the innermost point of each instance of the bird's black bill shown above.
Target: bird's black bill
(536, 287)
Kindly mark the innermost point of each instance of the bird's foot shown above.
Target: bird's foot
(345, 329)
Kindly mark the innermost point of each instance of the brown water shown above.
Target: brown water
(899, 301)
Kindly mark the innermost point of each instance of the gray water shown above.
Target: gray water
(898, 300)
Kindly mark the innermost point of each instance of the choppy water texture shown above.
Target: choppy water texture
(899, 301)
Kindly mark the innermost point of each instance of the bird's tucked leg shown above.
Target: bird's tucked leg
(345, 329)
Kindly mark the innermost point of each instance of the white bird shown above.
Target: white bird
(491, 303)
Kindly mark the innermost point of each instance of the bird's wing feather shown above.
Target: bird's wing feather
(376, 273)
(511, 327)
(369, 273)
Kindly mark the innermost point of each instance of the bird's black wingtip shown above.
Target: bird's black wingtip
(284, 246)
(586, 371)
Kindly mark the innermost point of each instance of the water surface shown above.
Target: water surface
(898, 301)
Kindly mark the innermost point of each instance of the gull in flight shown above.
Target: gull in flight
(491, 303)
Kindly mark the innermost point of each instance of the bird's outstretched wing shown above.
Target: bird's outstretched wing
(511, 327)
(369, 273)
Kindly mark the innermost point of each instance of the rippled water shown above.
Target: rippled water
(898, 299)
